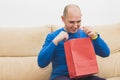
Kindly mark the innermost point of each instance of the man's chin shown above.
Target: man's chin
(74, 31)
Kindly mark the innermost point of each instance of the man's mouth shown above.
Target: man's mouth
(74, 30)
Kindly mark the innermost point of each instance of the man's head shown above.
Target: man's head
(72, 18)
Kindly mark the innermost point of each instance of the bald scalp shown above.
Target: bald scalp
(68, 7)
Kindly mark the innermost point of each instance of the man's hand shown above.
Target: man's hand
(61, 36)
(90, 32)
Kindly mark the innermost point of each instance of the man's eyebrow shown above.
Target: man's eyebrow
(71, 21)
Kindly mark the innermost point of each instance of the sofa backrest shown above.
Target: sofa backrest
(16, 41)
(110, 33)
(28, 41)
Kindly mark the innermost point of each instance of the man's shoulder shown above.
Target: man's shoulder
(54, 33)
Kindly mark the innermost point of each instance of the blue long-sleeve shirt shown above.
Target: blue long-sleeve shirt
(56, 54)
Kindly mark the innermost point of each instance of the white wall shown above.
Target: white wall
(43, 12)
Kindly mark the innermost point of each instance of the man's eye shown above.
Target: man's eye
(78, 21)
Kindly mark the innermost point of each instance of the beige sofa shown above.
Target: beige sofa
(19, 47)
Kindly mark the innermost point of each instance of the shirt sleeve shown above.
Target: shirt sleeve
(47, 52)
(101, 48)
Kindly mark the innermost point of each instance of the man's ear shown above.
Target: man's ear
(63, 18)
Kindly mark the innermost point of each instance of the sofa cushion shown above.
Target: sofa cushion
(114, 78)
(22, 68)
(110, 33)
(109, 66)
(16, 41)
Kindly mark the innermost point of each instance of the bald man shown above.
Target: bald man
(53, 48)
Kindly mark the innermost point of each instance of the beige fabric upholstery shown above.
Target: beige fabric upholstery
(22, 68)
(110, 66)
(19, 48)
(110, 33)
(22, 41)
(115, 78)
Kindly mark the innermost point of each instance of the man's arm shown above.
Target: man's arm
(47, 52)
(101, 48)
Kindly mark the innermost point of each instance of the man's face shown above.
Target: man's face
(72, 21)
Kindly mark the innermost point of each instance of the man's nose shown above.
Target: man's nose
(75, 25)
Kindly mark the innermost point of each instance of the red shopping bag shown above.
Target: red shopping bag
(80, 57)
